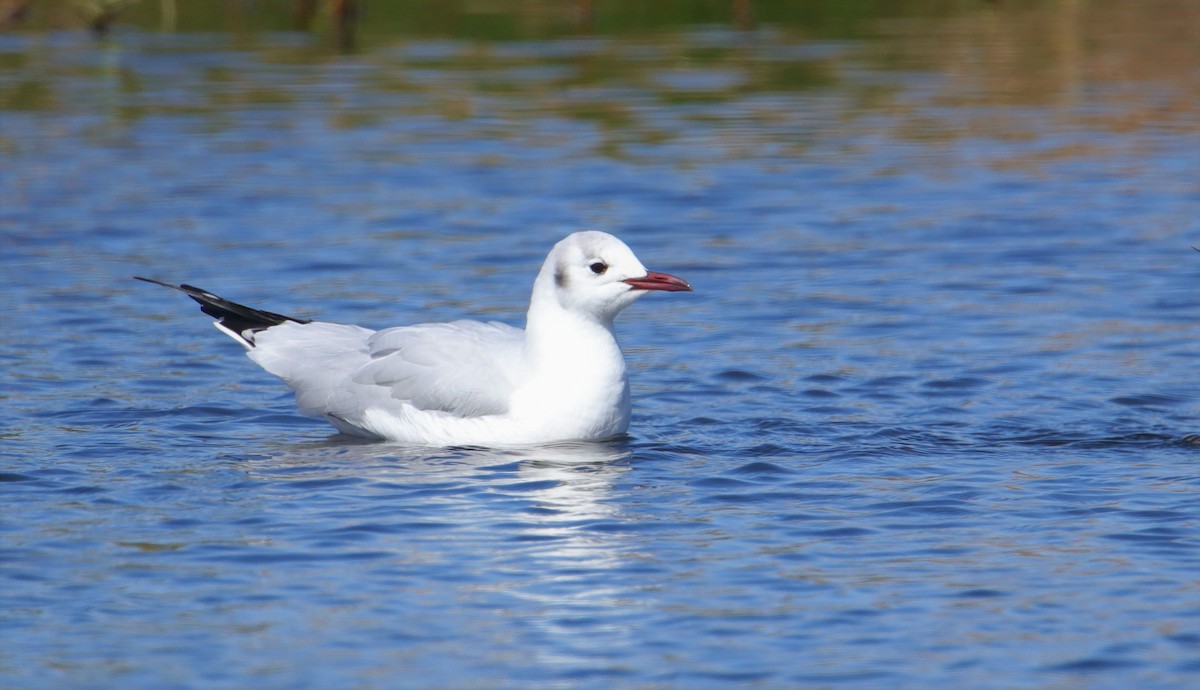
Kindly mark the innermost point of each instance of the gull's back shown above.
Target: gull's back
(354, 377)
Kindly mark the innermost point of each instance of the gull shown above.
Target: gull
(562, 378)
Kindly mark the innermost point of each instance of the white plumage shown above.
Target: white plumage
(563, 378)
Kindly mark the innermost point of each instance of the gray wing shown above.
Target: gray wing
(465, 368)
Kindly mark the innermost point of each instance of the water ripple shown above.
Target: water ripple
(929, 418)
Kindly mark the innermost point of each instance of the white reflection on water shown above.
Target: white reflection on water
(572, 584)
(548, 537)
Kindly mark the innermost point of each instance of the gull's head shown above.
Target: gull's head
(595, 274)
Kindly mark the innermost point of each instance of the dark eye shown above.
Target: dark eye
(599, 267)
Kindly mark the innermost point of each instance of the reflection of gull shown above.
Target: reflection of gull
(340, 456)
(577, 483)
(537, 531)
(573, 553)
(578, 478)
(569, 482)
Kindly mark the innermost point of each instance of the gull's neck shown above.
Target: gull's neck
(558, 338)
(577, 382)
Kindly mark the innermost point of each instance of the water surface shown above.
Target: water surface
(929, 418)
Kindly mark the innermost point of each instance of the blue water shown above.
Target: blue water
(930, 418)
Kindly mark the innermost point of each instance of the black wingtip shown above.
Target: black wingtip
(157, 282)
(237, 317)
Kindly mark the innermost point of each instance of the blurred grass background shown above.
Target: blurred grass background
(470, 19)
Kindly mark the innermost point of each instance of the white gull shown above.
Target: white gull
(563, 378)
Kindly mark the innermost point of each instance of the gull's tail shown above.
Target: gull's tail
(235, 320)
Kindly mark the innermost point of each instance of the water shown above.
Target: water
(929, 419)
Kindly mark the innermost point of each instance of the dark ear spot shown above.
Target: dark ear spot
(560, 276)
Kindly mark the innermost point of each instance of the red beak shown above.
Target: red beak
(660, 281)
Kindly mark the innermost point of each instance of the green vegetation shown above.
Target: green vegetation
(462, 19)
